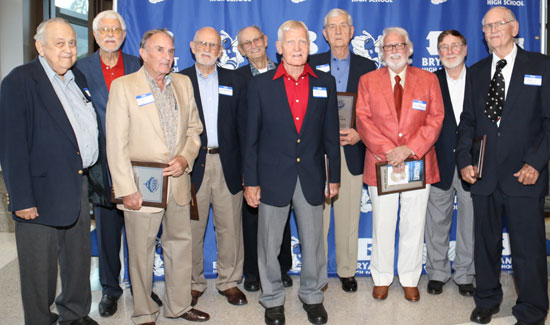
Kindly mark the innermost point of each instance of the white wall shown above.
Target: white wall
(11, 35)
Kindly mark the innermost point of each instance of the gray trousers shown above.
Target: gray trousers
(313, 275)
(39, 249)
(439, 217)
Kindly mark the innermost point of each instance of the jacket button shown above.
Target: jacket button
(202, 165)
(203, 148)
(80, 172)
(400, 134)
(498, 133)
(298, 159)
(298, 141)
(78, 153)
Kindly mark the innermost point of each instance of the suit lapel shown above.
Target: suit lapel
(516, 80)
(449, 109)
(223, 100)
(408, 91)
(142, 87)
(177, 87)
(196, 92)
(97, 76)
(386, 90)
(279, 88)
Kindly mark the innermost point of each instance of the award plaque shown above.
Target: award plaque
(389, 180)
(346, 109)
(327, 177)
(478, 155)
(150, 183)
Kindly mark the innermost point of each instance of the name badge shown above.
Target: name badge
(87, 92)
(320, 92)
(419, 105)
(145, 99)
(532, 80)
(323, 67)
(225, 90)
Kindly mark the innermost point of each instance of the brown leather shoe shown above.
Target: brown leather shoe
(195, 315)
(234, 296)
(148, 323)
(195, 294)
(411, 293)
(380, 292)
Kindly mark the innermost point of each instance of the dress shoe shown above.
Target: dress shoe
(287, 280)
(251, 285)
(316, 313)
(156, 299)
(195, 294)
(148, 323)
(107, 306)
(234, 296)
(466, 290)
(524, 323)
(380, 292)
(349, 284)
(411, 293)
(275, 315)
(195, 315)
(435, 287)
(83, 321)
(483, 315)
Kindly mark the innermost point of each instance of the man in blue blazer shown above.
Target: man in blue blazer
(100, 69)
(292, 125)
(52, 151)
(515, 115)
(346, 68)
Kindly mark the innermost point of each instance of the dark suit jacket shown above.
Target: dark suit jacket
(446, 143)
(231, 128)
(39, 152)
(524, 132)
(273, 146)
(355, 155)
(245, 72)
(91, 68)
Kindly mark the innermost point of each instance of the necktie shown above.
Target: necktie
(398, 96)
(495, 98)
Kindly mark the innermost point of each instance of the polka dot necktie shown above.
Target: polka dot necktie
(495, 98)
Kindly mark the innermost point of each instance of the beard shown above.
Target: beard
(211, 60)
(452, 65)
(396, 61)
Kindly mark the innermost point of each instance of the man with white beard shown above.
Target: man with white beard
(399, 116)
(452, 49)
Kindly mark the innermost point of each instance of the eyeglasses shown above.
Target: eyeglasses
(202, 45)
(106, 30)
(258, 41)
(390, 47)
(455, 47)
(332, 27)
(499, 25)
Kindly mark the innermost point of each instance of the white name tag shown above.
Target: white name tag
(532, 80)
(419, 105)
(320, 92)
(323, 67)
(145, 99)
(225, 90)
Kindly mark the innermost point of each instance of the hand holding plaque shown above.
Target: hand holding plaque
(478, 155)
(150, 183)
(346, 109)
(411, 175)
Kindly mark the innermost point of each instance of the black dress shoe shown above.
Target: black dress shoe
(156, 299)
(275, 315)
(287, 280)
(524, 323)
(349, 284)
(195, 315)
(107, 306)
(466, 290)
(483, 315)
(251, 285)
(316, 313)
(83, 321)
(435, 287)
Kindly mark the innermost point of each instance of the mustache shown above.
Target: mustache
(395, 56)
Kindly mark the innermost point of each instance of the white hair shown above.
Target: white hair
(398, 30)
(337, 12)
(41, 29)
(291, 24)
(108, 14)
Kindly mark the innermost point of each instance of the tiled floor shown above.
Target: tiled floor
(343, 308)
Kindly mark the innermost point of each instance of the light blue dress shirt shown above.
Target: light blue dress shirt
(340, 71)
(208, 88)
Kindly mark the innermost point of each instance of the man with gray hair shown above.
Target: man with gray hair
(399, 117)
(52, 150)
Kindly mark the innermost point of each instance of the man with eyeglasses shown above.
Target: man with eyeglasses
(346, 68)
(510, 104)
(399, 116)
(452, 48)
(252, 45)
(220, 95)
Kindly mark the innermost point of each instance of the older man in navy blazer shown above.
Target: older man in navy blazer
(292, 124)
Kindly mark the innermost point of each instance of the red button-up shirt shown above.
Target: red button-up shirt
(111, 73)
(297, 92)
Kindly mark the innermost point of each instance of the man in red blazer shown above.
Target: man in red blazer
(393, 133)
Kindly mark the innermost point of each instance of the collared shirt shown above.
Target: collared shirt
(297, 92)
(401, 75)
(270, 66)
(208, 88)
(340, 71)
(456, 92)
(506, 71)
(167, 107)
(111, 73)
(79, 111)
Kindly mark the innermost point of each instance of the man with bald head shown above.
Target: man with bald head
(510, 104)
(220, 95)
(52, 147)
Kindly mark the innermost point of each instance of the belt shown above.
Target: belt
(213, 151)
(85, 171)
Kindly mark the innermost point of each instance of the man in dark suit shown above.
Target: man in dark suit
(452, 49)
(52, 151)
(252, 45)
(346, 68)
(292, 124)
(514, 113)
(220, 95)
(100, 69)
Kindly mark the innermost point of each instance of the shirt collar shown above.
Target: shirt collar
(270, 66)
(214, 74)
(68, 77)
(511, 57)
(281, 71)
(152, 81)
(461, 77)
(333, 58)
(401, 74)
